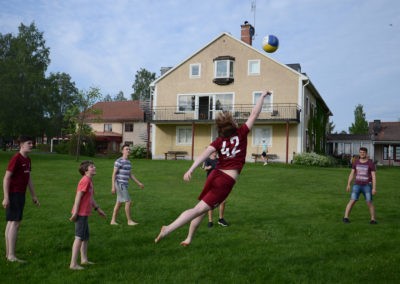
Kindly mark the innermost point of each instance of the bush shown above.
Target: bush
(313, 159)
(138, 152)
(43, 147)
(61, 148)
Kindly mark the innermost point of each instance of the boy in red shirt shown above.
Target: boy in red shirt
(84, 202)
(15, 182)
(231, 146)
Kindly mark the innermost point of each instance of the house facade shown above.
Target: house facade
(385, 137)
(117, 123)
(229, 75)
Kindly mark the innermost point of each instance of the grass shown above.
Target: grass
(285, 228)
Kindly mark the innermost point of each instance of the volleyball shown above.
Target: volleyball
(270, 43)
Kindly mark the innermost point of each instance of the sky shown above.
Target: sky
(348, 48)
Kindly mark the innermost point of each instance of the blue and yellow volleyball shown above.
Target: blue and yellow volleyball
(270, 43)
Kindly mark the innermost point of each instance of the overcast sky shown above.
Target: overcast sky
(348, 48)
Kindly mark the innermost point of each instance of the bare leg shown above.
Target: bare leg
(128, 213)
(371, 210)
(115, 213)
(192, 229)
(76, 247)
(84, 247)
(221, 210)
(6, 237)
(183, 219)
(210, 215)
(349, 207)
(11, 239)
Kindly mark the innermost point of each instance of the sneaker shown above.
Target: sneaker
(346, 220)
(373, 222)
(223, 223)
(210, 224)
(265, 163)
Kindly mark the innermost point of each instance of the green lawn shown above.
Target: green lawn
(285, 228)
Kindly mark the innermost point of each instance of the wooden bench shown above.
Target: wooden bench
(175, 154)
(257, 157)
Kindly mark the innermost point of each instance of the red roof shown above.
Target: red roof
(385, 131)
(117, 111)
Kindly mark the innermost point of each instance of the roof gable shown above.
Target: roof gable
(384, 131)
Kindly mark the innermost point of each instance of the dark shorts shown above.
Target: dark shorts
(15, 210)
(82, 228)
(217, 188)
(264, 154)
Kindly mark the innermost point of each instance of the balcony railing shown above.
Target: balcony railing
(274, 112)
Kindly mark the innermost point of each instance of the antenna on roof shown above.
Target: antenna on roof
(253, 9)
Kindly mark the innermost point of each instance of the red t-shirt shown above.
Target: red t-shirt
(20, 167)
(85, 185)
(232, 150)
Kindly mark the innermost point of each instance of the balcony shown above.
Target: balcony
(272, 113)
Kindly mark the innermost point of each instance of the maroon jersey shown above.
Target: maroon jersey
(20, 167)
(232, 150)
(363, 171)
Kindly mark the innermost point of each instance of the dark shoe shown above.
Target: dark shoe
(210, 224)
(346, 220)
(223, 223)
(373, 222)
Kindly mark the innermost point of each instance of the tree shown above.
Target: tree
(331, 127)
(119, 97)
(360, 125)
(78, 114)
(61, 95)
(23, 62)
(107, 98)
(141, 86)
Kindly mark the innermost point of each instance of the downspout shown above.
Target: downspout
(304, 114)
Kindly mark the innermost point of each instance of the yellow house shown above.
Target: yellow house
(229, 74)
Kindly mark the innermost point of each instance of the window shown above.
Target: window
(267, 106)
(128, 127)
(183, 135)
(253, 67)
(224, 102)
(108, 127)
(130, 143)
(186, 102)
(307, 105)
(261, 133)
(391, 152)
(195, 70)
(223, 70)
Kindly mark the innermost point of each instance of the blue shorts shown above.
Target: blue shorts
(365, 189)
(122, 192)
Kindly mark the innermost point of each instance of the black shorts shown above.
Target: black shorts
(264, 154)
(15, 209)
(82, 228)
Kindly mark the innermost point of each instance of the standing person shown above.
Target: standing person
(119, 184)
(363, 169)
(209, 165)
(84, 202)
(264, 152)
(232, 147)
(16, 179)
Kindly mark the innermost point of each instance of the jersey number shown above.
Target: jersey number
(226, 150)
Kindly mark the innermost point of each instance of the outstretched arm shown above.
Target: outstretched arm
(200, 159)
(257, 109)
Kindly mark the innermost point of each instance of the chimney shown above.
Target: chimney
(247, 33)
(377, 126)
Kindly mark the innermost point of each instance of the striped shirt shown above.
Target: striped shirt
(124, 170)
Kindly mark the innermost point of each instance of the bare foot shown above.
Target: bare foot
(161, 235)
(114, 223)
(76, 267)
(185, 244)
(132, 223)
(14, 259)
(87, 263)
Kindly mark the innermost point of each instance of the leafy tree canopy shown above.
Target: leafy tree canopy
(360, 125)
(141, 86)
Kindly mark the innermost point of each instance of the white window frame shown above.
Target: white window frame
(253, 64)
(191, 69)
(188, 106)
(260, 133)
(228, 68)
(187, 131)
(268, 101)
(108, 127)
(226, 106)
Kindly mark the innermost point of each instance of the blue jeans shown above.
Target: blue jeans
(365, 189)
